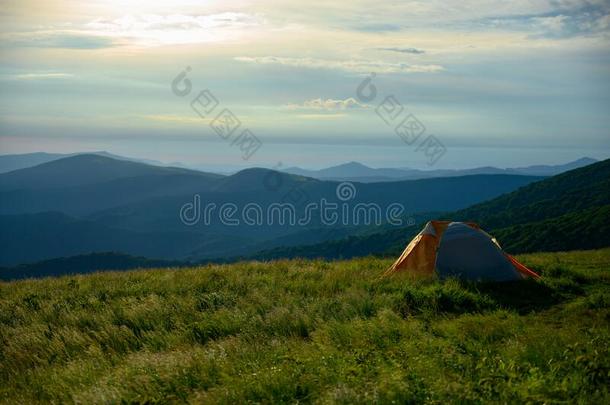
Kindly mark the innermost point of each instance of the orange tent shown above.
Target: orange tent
(459, 249)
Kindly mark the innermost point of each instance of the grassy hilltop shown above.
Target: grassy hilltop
(309, 331)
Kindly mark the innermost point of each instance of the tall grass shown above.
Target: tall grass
(309, 331)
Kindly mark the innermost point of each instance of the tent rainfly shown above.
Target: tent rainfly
(459, 250)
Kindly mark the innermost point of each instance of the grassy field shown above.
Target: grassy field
(309, 331)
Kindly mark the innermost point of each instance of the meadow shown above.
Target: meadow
(309, 331)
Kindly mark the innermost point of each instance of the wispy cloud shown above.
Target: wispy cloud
(139, 30)
(328, 104)
(377, 27)
(41, 76)
(176, 29)
(317, 117)
(356, 66)
(414, 51)
(58, 39)
(570, 19)
(177, 119)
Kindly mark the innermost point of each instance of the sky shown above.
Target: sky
(503, 83)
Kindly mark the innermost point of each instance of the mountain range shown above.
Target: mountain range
(354, 171)
(8, 163)
(564, 212)
(93, 203)
(351, 171)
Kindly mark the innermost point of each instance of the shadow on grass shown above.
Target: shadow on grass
(460, 297)
(521, 296)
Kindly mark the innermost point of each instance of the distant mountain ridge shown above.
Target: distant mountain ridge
(91, 203)
(553, 214)
(132, 208)
(82, 170)
(351, 171)
(354, 171)
(12, 162)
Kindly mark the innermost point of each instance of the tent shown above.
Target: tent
(460, 250)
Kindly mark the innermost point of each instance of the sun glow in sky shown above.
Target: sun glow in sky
(481, 75)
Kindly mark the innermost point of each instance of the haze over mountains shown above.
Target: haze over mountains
(354, 171)
(564, 212)
(351, 171)
(9, 163)
(91, 203)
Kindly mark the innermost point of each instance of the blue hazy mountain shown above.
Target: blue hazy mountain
(354, 171)
(549, 215)
(91, 203)
(9, 163)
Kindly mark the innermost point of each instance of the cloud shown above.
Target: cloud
(41, 76)
(377, 27)
(141, 30)
(59, 39)
(568, 20)
(317, 117)
(328, 104)
(553, 24)
(176, 29)
(356, 66)
(414, 51)
(178, 119)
